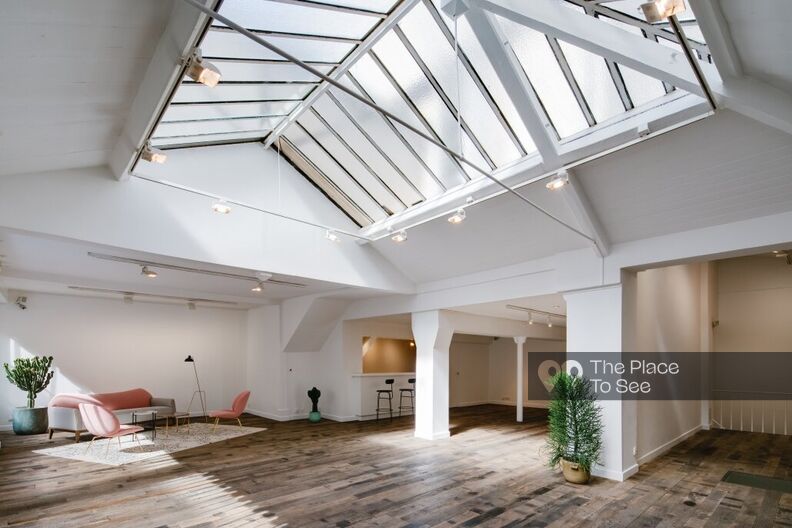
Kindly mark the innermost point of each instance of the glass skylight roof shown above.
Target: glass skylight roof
(370, 166)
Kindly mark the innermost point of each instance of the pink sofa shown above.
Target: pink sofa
(64, 413)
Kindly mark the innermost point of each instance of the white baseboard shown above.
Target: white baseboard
(614, 474)
(663, 449)
(469, 404)
(534, 404)
(7, 427)
(285, 417)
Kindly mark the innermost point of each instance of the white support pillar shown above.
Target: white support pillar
(432, 333)
(603, 320)
(520, 392)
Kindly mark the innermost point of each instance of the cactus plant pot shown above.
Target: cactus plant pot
(314, 416)
(30, 421)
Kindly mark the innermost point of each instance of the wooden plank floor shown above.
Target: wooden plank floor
(490, 473)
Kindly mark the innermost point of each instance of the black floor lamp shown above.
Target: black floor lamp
(201, 394)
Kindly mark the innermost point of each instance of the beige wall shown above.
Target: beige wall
(503, 367)
(382, 354)
(469, 368)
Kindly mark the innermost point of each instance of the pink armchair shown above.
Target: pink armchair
(237, 408)
(102, 423)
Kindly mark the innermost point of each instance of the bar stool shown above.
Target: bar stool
(385, 395)
(408, 394)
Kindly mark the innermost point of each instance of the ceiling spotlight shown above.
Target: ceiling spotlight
(549, 322)
(153, 155)
(221, 207)
(202, 71)
(458, 216)
(558, 181)
(150, 273)
(412, 343)
(530, 319)
(128, 298)
(332, 236)
(258, 287)
(660, 10)
(191, 305)
(400, 236)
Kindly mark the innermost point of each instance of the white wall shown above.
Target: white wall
(669, 319)
(104, 345)
(503, 366)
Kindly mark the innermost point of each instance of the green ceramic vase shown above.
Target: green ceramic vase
(30, 421)
(314, 416)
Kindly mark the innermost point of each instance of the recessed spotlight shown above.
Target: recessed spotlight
(202, 71)
(400, 236)
(412, 343)
(549, 322)
(332, 236)
(660, 10)
(150, 273)
(530, 319)
(558, 181)
(258, 287)
(458, 217)
(153, 155)
(221, 207)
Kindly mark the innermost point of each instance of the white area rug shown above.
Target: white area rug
(130, 452)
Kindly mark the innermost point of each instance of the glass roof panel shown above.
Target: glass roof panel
(354, 166)
(363, 145)
(438, 54)
(234, 45)
(423, 95)
(311, 172)
(335, 172)
(294, 18)
(182, 112)
(595, 81)
(380, 6)
(389, 141)
(379, 88)
(215, 126)
(245, 135)
(541, 66)
(194, 92)
(253, 71)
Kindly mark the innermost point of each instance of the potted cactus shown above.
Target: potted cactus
(32, 375)
(314, 415)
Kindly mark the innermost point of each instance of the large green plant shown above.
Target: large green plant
(575, 422)
(32, 375)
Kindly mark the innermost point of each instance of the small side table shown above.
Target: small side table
(177, 415)
(152, 419)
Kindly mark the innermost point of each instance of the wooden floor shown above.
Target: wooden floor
(490, 473)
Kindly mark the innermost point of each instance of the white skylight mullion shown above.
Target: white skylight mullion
(424, 39)
(374, 8)
(331, 168)
(385, 92)
(214, 126)
(234, 45)
(353, 164)
(595, 81)
(410, 82)
(196, 92)
(196, 111)
(292, 18)
(325, 184)
(388, 138)
(364, 146)
(252, 71)
(217, 138)
(542, 69)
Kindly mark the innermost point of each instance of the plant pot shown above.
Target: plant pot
(574, 473)
(314, 416)
(30, 421)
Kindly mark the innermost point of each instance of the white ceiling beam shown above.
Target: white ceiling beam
(584, 212)
(512, 76)
(716, 32)
(750, 97)
(164, 72)
(362, 49)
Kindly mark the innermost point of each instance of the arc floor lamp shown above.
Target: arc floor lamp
(201, 394)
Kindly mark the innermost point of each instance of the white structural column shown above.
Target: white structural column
(519, 396)
(432, 333)
(603, 320)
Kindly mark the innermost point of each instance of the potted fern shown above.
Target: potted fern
(574, 438)
(32, 375)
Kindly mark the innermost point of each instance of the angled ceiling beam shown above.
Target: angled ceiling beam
(750, 97)
(183, 31)
(393, 18)
(581, 207)
(511, 74)
(716, 32)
